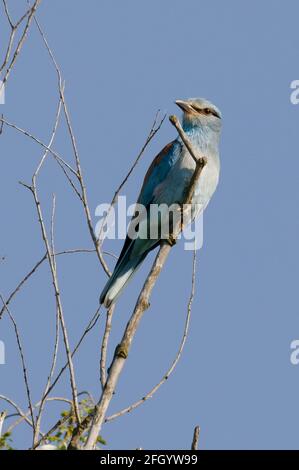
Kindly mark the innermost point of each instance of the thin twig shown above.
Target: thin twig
(84, 199)
(79, 175)
(194, 445)
(21, 41)
(176, 123)
(62, 420)
(39, 263)
(1, 125)
(38, 141)
(17, 408)
(7, 13)
(23, 281)
(48, 399)
(153, 131)
(2, 419)
(20, 347)
(33, 190)
(56, 343)
(91, 324)
(14, 28)
(104, 346)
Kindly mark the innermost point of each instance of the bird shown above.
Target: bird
(166, 181)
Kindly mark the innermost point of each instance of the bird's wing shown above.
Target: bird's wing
(155, 175)
(158, 172)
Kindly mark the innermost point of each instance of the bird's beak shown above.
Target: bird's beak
(184, 105)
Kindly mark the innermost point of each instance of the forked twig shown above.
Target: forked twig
(104, 346)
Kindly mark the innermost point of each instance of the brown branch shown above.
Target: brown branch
(195, 440)
(175, 361)
(104, 346)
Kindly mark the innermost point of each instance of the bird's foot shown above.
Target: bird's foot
(121, 351)
(171, 240)
(145, 304)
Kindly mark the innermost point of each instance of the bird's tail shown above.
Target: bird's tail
(119, 278)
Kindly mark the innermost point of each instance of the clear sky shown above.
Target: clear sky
(122, 61)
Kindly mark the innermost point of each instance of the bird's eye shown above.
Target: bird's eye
(207, 111)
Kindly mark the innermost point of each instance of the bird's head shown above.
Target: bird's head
(200, 112)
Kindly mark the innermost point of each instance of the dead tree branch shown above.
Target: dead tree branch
(175, 361)
(104, 346)
(195, 440)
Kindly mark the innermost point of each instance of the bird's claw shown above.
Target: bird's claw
(121, 351)
(171, 240)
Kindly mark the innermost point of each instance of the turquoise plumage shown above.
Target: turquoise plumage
(165, 183)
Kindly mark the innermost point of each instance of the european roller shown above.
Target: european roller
(167, 181)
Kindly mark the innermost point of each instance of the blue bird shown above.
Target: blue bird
(166, 182)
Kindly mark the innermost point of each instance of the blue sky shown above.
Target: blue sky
(122, 61)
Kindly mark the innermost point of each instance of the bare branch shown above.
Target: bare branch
(195, 440)
(33, 190)
(92, 322)
(79, 175)
(46, 147)
(32, 271)
(62, 420)
(153, 131)
(56, 343)
(13, 31)
(7, 14)
(21, 41)
(104, 346)
(1, 126)
(155, 128)
(176, 123)
(20, 347)
(17, 408)
(37, 265)
(176, 360)
(2, 419)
